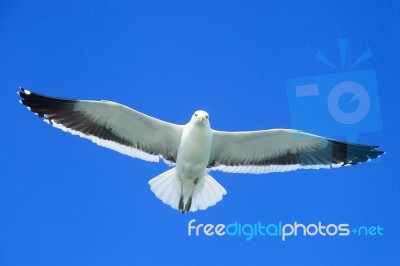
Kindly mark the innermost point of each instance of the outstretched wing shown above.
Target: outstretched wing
(109, 124)
(280, 150)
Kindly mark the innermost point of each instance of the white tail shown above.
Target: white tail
(167, 187)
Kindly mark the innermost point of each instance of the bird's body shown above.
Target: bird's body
(193, 156)
(194, 148)
(189, 179)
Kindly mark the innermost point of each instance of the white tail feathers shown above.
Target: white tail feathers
(207, 193)
(167, 187)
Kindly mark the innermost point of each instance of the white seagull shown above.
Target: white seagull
(193, 148)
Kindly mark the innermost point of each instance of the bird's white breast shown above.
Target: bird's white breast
(194, 151)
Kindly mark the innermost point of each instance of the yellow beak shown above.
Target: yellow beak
(200, 118)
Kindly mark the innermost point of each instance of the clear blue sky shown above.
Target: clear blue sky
(66, 201)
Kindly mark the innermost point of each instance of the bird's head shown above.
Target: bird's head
(200, 117)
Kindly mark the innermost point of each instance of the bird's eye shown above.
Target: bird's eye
(206, 116)
(195, 114)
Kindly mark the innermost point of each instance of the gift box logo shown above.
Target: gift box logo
(336, 104)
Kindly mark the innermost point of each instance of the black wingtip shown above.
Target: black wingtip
(23, 93)
(380, 152)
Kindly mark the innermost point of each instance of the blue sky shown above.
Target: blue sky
(66, 201)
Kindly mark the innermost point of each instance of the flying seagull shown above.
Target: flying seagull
(194, 148)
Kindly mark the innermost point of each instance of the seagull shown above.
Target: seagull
(194, 149)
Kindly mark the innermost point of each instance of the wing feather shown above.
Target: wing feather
(109, 124)
(279, 150)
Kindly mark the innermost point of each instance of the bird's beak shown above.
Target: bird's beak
(200, 118)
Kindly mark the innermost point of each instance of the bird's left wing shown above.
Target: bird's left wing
(280, 150)
(110, 125)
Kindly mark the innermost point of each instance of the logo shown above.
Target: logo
(345, 102)
(280, 230)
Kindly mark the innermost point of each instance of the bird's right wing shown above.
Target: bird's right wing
(110, 125)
